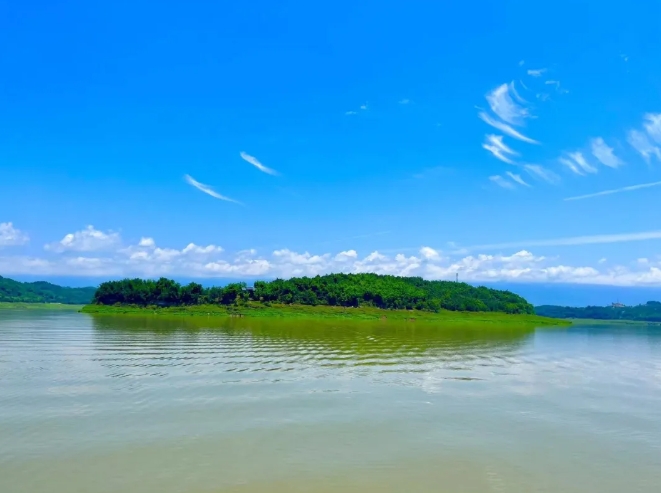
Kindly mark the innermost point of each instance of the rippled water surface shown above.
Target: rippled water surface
(193, 405)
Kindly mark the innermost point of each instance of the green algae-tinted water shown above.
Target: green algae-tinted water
(112, 404)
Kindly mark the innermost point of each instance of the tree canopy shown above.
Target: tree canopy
(42, 292)
(348, 290)
(649, 312)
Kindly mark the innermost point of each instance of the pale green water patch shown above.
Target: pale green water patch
(113, 404)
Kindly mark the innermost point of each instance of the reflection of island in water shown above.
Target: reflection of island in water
(324, 342)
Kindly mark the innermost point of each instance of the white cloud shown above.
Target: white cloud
(652, 125)
(505, 128)
(495, 146)
(255, 162)
(194, 261)
(574, 241)
(351, 112)
(536, 72)
(207, 189)
(10, 236)
(577, 163)
(146, 242)
(541, 172)
(517, 178)
(639, 141)
(501, 103)
(404, 101)
(604, 153)
(630, 188)
(363, 106)
(501, 182)
(86, 240)
(429, 253)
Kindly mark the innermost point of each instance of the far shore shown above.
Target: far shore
(6, 305)
(251, 310)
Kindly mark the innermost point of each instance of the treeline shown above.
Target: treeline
(349, 290)
(649, 312)
(42, 292)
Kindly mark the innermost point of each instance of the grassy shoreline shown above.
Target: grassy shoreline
(259, 310)
(11, 305)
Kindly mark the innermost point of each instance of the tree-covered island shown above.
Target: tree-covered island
(368, 295)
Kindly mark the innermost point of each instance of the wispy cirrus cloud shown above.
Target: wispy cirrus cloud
(494, 144)
(577, 163)
(574, 241)
(505, 128)
(641, 143)
(652, 125)
(517, 178)
(350, 112)
(604, 153)
(208, 189)
(630, 188)
(536, 72)
(541, 172)
(501, 182)
(503, 104)
(404, 101)
(255, 162)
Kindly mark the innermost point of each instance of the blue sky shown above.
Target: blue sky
(344, 134)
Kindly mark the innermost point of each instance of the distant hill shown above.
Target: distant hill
(43, 292)
(649, 312)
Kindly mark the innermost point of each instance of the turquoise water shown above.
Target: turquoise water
(113, 404)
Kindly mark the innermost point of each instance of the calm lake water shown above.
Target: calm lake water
(145, 405)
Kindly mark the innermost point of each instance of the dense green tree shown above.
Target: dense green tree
(349, 290)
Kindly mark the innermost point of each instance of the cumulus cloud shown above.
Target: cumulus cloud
(10, 236)
(494, 144)
(501, 182)
(505, 128)
(86, 240)
(604, 153)
(541, 173)
(504, 105)
(630, 188)
(147, 259)
(255, 162)
(207, 189)
(639, 141)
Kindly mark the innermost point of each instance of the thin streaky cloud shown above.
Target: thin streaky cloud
(517, 178)
(255, 162)
(404, 101)
(495, 146)
(574, 241)
(652, 126)
(571, 165)
(582, 162)
(501, 182)
(604, 153)
(501, 103)
(541, 172)
(630, 188)
(536, 72)
(350, 113)
(207, 189)
(639, 141)
(505, 128)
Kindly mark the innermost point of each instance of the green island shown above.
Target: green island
(648, 312)
(354, 296)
